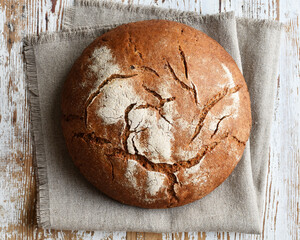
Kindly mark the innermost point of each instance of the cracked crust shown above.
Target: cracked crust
(155, 114)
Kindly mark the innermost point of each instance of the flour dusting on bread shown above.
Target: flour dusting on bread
(194, 175)
(233, 109)
(228, 75)
(104, 65)
(155, 181)
(131, 172)
(116, 97)
(153, 135)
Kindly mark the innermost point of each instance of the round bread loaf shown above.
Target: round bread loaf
(156, 114)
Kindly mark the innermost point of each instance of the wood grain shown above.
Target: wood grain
(17, 186)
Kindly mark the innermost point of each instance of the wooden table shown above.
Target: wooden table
(17, 180)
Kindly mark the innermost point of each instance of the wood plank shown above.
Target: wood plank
(282, 215)
(17, 186)
(16, 175)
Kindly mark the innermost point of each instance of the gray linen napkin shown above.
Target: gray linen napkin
(67, 201)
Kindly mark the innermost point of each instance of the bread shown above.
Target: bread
(155, 114)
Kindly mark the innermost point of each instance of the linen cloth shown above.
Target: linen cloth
(67, 201)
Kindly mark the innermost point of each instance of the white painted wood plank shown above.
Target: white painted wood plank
(210, 7)
(282, 214)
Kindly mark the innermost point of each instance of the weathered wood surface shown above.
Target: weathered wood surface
(17, 186)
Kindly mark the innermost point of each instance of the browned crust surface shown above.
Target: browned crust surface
(202, 82)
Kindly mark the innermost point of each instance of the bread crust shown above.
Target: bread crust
(155, 114)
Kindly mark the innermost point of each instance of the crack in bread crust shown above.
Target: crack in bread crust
(195, 93)
(112, 170)
(154, 93)
(183, 59)
(136, 51)
(162, 102)
(148, 69)
(183, 85)
(238, 140)
(158, 109)
(192, 90)
(126, 131)
(171, 189)
(210, 104)
(217, 127)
